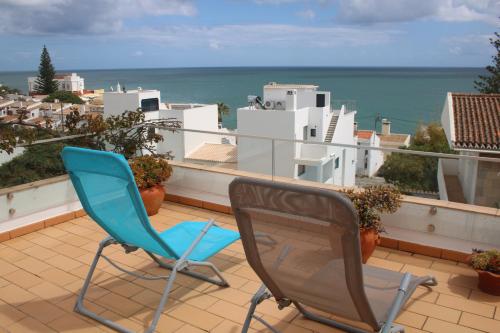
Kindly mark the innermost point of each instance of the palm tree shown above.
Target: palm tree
(223, 109)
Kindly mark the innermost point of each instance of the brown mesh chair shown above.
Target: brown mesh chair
(303, 243)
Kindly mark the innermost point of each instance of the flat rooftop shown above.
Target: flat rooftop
(289, 86)
(42, 272)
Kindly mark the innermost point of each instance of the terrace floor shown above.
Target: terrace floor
(41, 273)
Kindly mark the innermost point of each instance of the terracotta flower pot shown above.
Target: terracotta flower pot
(489, 282)
(152, 198)
(369, 239)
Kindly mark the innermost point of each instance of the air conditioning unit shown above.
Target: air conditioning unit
(279, 105)
(269, 105)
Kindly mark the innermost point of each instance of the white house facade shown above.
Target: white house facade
(67, 82)
(297, 112)
(472, 126)
(369, 161)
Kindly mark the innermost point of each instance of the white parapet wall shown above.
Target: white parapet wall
(437, 223)
(30, 203)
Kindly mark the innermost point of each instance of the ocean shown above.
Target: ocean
(406, 96)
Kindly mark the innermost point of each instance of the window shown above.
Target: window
(150, 104)
(301, 170)
(304, 133)
(320, 100)
(337, 162)
(366, 152)
(313, 132)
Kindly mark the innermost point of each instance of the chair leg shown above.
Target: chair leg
(220, 281)
(80, 308)
(259, 296)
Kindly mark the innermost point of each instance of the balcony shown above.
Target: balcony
(47, 244)
(42, 271)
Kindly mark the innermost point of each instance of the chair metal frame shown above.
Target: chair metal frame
(404, 293)
(181, 266)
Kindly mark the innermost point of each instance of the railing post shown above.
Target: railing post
(273, 166)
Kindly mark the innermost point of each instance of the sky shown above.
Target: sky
(96, 34)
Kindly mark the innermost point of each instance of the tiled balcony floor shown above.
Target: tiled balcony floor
(41, 272)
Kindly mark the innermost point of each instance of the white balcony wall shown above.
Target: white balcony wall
(36, 201)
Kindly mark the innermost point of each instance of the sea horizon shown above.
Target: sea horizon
(408, 96)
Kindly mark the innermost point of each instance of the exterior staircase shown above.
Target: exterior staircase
(331, 128)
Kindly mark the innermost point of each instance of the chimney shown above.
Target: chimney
(386, 127)
(355, 126)
(291, 100)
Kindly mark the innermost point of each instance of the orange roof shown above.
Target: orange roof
(477, 121)
(364, 134)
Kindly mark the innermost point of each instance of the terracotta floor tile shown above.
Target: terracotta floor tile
(383, 263)
(42, 310)
(23, 279)
(438, 326)
(466, 305)
(39, 252)
(434, 311)
(45, 241)
(18, 243)
(28, 325)
(73, 322)
(50, 292)
(9, 314)
(186, 328)
(229, 327)
(119, 304)
(408, 318)
(11, 255)
(196, 317)
(15, 295)
(58, 276)
(480, 323)
(406, 259)
(63, 262)
(194, 297)
(6, 268)
(32, 265)
(228, 311)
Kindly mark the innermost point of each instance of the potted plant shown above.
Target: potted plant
(370, 202)
(487, 266)
(149, 173)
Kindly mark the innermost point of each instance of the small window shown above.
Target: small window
(366, 152)
(313, 132)
(366, 164)
(320, 100)
(337, 162)
(150, 104)
(301, 170)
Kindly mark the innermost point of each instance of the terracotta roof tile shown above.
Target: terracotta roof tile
(477, 121)
(364, 134)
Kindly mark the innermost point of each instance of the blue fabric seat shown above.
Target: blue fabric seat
(180, 237)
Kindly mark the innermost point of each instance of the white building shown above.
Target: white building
(182, 144)
(472, 126)
(369, 160)
(67, 82)
(297, 112)
(119, 101)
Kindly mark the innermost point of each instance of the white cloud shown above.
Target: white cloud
(307, 14)
(82, 16)
(379, 11)
(276, 35)
(469, 44)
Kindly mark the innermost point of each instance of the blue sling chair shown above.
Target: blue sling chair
(106, 188)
